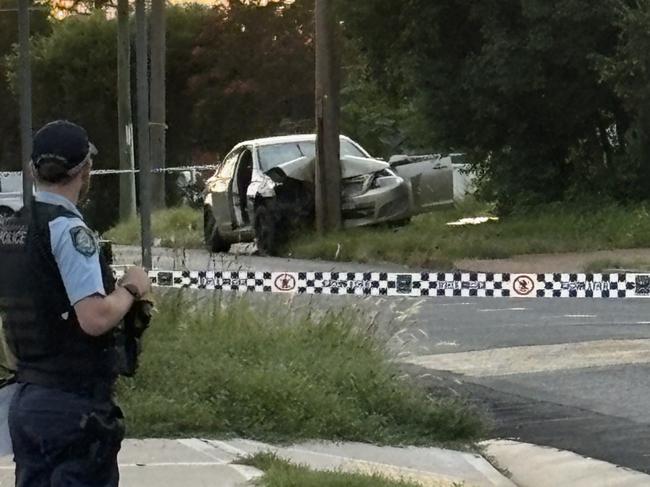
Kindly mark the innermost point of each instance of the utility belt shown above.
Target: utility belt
(100, 389)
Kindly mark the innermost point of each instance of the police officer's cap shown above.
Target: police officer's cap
(63, 143)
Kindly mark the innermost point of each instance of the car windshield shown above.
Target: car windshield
(271, 156)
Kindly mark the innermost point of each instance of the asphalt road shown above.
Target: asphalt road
(573, 374)
(568, 373)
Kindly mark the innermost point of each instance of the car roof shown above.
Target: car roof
(283, 139)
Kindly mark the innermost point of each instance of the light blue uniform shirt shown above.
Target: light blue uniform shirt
(81, 273)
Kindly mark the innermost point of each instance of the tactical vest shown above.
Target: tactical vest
(40, 324)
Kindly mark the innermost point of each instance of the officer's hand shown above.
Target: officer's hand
(139, 278)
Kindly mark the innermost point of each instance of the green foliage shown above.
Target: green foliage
(383, 124)
(184, 25)
(279, 473)
(175, 227)
(628, 70)
(215, 368)
(74, 77)
(9, 122)
(233, 72)
(548, 97)
(515, 83)
(252, 73)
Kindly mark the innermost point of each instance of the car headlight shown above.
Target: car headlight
(361, 184)
(384, 173)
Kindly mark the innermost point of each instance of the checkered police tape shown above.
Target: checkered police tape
(413, 284)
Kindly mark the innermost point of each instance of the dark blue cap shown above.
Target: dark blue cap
(64, 142)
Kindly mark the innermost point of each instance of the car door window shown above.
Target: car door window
(227, 168)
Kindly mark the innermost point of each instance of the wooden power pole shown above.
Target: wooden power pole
(157, 97)
(125, 117)
(25, 87)
(144, 162)
(328, 163)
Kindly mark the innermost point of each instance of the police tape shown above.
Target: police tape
(424, 284)
(102, 172)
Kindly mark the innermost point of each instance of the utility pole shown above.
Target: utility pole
(25, 87)
(158, 105)
(124, 115)
(328, 163)
(142, 75)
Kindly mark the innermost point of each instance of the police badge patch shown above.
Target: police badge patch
(84, 241)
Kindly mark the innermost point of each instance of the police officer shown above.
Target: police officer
(62, 310)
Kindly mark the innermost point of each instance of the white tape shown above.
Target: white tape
(101, 172)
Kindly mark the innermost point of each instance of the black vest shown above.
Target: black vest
(40, 324)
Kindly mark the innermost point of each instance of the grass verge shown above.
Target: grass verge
(279, 473)
(429, 242)
(602, 265)
(220, 369)
(180, 227)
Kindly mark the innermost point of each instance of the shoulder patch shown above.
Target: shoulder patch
(83, 240)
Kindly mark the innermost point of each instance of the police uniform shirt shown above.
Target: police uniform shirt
(75, 250)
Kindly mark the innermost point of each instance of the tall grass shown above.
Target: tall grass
(180, 227)
(228, 369)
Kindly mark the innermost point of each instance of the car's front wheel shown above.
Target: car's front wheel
(213, 241)
(5, 213)
(267, 233)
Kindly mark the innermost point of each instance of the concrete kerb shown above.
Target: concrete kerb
(429, 467)
(538, 466)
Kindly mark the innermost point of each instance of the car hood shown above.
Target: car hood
(303, 168)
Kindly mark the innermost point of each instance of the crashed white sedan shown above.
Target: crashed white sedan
(264, 189)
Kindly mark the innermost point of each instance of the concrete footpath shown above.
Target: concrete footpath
(213, 463)
(194, 463)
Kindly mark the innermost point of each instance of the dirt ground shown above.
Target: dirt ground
(600, 261)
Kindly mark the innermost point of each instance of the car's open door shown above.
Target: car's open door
(431, 178)
(219, 189)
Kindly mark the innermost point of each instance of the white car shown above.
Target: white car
(264, 189)
(11, 194)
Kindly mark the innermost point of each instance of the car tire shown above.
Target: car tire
(400, 223)
(266, 229)
(5, 213)
(213, 240)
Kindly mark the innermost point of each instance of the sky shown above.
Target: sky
(61, 13)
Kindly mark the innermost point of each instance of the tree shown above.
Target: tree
(232, 73)
(628, 71)
(254, 73)
(514, 82)
(9, 122)
(75, 78)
